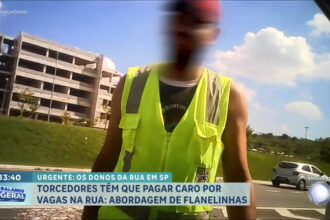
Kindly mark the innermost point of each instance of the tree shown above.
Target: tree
(285, 136)
(66, 118)
(249, 131)
(33, 105)
(324, 144)
(325, 154)
(267, 134)
(85, 122)
(107, 110)
(294, 138)
(26, 98)
(90, 123)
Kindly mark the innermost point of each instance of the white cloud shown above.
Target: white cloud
(305, 109)
(320, 24)
(284, 128)
(1, 5)
(249, 93)
(322, 67)
(265, 119)
(269, 56)
(260, 116)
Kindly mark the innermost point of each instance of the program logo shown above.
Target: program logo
(9, 194)
(319, 193)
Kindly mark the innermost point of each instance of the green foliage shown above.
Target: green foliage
(325, 149)
(285, 136)
(107, 110)
(308, 149)
(325, 154)
(249, 131)
(33, 105)
(261, 165)
(26, 98)
(66, 118)
(85, 122)
(267, 135)
(293, 138)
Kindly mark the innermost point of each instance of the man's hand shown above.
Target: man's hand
(234, 157)
(107, 159)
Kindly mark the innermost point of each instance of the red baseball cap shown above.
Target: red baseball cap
(209, 10)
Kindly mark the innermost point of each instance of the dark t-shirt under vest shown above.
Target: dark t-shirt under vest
(175, 98)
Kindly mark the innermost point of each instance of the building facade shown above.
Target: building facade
(61, 78)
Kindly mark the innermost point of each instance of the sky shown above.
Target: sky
(278, 52)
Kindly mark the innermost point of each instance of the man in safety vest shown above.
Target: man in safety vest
(178, 117)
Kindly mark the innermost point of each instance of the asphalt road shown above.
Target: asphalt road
(284, 196)
(284, 202)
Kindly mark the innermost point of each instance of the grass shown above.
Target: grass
(30, 142)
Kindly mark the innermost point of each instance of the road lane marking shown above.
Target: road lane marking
(297, 192)
(224, 211)
(322, 211)
(270, 190)
(286, 213)
(270, 207)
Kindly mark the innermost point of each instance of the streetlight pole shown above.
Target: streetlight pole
(306, 129)
(53, 86)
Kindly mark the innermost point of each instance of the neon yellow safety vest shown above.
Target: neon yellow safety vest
(191, 152)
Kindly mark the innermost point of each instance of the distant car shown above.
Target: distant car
(300, 175)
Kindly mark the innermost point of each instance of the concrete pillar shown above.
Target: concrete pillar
(1, 42)
(47, 52)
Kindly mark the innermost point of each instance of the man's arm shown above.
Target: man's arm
(234, 157)
(107, 159)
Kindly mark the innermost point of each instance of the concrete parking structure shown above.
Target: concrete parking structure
(62, 78)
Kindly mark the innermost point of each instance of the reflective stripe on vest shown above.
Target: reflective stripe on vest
(213, 98)
(133, 103)
(135, 95)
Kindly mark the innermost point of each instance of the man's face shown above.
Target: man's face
(190, 31)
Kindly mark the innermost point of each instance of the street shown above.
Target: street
(284, 202)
